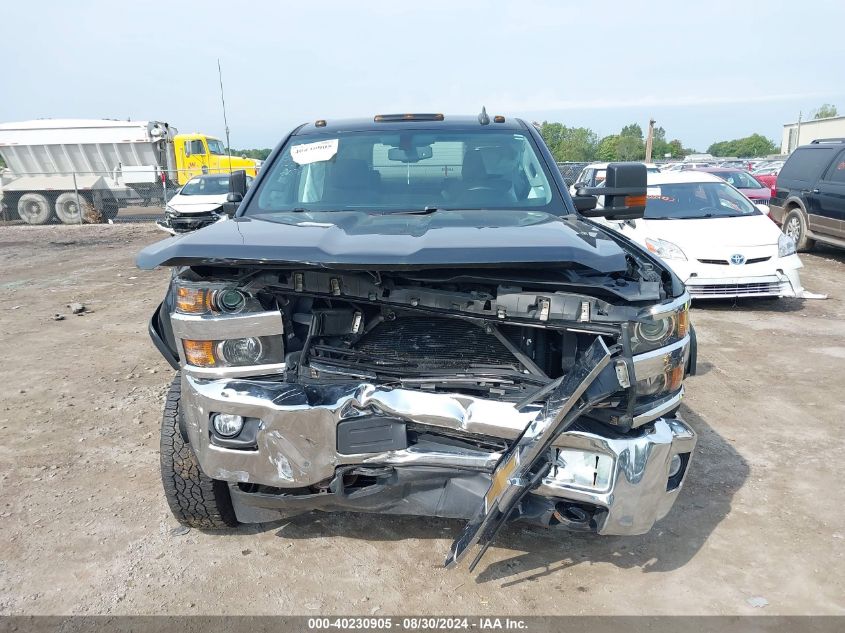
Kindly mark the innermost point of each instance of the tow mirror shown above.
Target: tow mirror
(233, 201)
(624, 193)
(237, 183)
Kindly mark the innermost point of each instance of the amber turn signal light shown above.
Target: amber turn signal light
(634, 201)
(199, 353)
(192, 300)
(683, 321)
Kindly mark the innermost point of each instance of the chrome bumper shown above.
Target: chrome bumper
(296, 444)
(639, 492)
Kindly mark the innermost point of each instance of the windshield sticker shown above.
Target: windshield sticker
(314, 152)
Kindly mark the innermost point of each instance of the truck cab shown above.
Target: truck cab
(198, 154)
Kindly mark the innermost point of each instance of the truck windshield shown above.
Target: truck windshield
(215, 147)
(206, 186)
(397, 171)
(696, 200)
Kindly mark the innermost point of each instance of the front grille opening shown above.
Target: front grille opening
(737, 290)
(422, 342)
(725, 262)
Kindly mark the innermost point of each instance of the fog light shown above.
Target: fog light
(583, 469)
(227, 424)
(675, 465)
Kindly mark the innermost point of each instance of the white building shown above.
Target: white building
(833, 127)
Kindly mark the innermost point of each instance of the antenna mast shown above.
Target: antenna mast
(225, 121)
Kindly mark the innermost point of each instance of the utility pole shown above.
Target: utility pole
(649, 140)
(798, 132)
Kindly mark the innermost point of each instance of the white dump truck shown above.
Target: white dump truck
(79, 170)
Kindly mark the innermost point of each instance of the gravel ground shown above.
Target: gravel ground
(86, 530)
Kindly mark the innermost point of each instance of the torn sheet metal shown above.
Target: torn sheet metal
(523, 466)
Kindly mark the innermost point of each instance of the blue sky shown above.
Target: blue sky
(706, 71)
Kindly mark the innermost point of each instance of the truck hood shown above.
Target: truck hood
(707, 233)
(357, 239)
(196, 204)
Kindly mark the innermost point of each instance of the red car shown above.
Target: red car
(753, 189)
(768, 175)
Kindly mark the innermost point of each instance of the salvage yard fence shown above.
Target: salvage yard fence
(90, 197)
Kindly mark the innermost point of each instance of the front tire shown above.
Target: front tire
(795, 226)
(195, 499)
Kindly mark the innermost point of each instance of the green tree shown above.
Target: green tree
(2, 163)
(630, 145)
(258, 154)
(826, 110)
(633, 130)
(607, 148)
(569, 143)
(747, 147)
(677, 149)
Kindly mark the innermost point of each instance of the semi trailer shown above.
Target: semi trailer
(79, 170)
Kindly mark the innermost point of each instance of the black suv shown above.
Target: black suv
(809, 201)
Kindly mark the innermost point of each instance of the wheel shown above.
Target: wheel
(33, 208)
(68, 207)
(795, 226)
(195, 499)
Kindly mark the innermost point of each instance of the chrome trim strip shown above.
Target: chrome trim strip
(460, 458)
(654, 362)
(663, 309)
(232, 372)
(660, 351)
(217, 327)
(661, 409)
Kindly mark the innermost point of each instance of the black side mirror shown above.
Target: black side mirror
(585, 203)
(233, 201)
(237, 191)
(624, 193)
(237, 182)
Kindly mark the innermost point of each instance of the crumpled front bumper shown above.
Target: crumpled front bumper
(178, 223)
(774, 277)
(296, 447)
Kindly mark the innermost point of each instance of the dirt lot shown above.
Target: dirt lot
(85, 527)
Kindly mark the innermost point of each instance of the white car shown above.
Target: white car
(715, 239)
(593, 175)
(197, 204)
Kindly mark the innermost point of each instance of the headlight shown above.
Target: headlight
(660, 351)
(235, 352)
(191, 299)
(786, 245)
(653, 332)
(664, 249)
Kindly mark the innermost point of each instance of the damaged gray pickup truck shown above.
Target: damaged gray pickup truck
(411, 315)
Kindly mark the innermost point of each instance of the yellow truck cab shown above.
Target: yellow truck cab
(200, 154)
